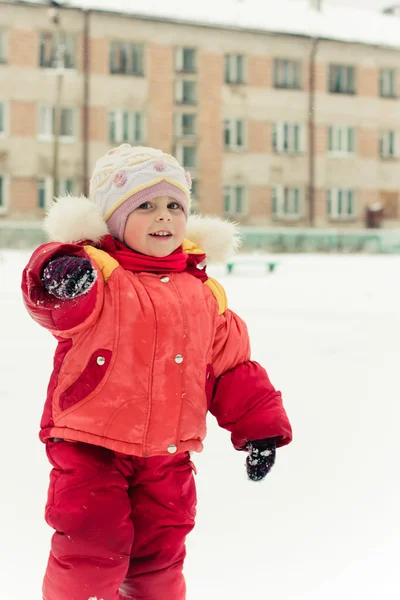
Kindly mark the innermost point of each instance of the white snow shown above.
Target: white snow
(284, 16)
(325, 523)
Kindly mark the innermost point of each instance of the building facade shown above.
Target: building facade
(232, 105)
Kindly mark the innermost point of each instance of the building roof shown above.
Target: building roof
(291, 17)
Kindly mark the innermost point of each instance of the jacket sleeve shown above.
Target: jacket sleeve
(59, 316)
(244, 400)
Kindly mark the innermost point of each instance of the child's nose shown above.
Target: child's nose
(163, 215)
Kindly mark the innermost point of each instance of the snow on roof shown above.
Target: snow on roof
(295, 17)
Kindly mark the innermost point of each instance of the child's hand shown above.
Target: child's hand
(261, 458)
(68, 277)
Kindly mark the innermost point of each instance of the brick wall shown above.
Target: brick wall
(367, 82)
(259, 136)
(99, 58)
(210, 142)
(23, 48)
(259, 71)
(98, 124)
(23, 119)
(368, 143)
(161, 96)
(23, 195)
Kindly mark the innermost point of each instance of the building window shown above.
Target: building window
(57, 50)
(342, 79)
(185, 92)
(287, 74)
(235, 200)
(186, 156)
(286, 202)
(2, 119)
(3, 52)
(287, 138)
(341, 204)
(341, 140)
(185, 125)
(126, 58)
(3, 194)
(126, 126)
(234, 133)
(185, 60)
(46, 122)
(234, 68)
(45, 189)
(388, 83)
(388, 144)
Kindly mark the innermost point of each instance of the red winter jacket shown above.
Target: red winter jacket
(142, 357)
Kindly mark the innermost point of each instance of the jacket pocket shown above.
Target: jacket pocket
(88, 380)
(210, 381)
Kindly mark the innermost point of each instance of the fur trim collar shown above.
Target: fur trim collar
(71, 219)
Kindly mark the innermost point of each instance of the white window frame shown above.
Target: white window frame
(3, 47)
(284, 138)
(57, 40)
(180, 155)
(388, 83)
(48, 133)
(287, 74)
(179, 92)
(344, 74)
(388, 146)
(4, 205)
(228, 192)
(339, 140)
(119, 116)
(231, 129)
(180, 62)
(48, 189)
(130, 48)
(285, 198)
(232, 71)
(337, 198)
(178, 125)
(4, 118)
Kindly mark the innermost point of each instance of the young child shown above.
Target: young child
(146, 346)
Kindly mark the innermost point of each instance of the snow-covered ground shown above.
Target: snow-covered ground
(325, 524)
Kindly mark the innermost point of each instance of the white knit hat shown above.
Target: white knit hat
(128, 176)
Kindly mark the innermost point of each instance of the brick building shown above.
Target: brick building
(232, 104)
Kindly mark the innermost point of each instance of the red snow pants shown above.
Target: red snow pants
(121, 523)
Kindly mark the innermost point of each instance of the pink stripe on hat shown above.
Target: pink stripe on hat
(117, 222)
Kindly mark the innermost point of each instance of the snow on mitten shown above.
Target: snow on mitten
(68, 277)
(261, 458)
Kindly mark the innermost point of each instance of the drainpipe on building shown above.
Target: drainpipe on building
(86, 91)
(60, 62)
(311, 132)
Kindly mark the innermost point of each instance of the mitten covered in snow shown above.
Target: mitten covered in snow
(261, 458)
(68, 277)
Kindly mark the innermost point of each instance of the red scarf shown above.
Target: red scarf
(177, 262)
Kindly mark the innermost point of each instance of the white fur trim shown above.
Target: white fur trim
(217, 237)
(72, 218)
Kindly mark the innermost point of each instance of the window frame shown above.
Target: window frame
(4, 193)
(3, 47)
(286, 64)
(179, 152)
(336, 135)
(179, 127)
(46, 136)
(388, 139)
(392, 83)
(120, 115)
(180, 92)
(69, 50)
(48, 189)
(235, 74)
(349, 71)
(130, 48)
(227, 192)
(4, 119)
(231, 128)
(281, 196)
(180, 59)
(335, 195)
(284, 134)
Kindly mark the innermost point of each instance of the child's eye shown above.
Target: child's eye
(174, 206)
(145, 205)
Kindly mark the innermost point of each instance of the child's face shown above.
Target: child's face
(160, 215)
